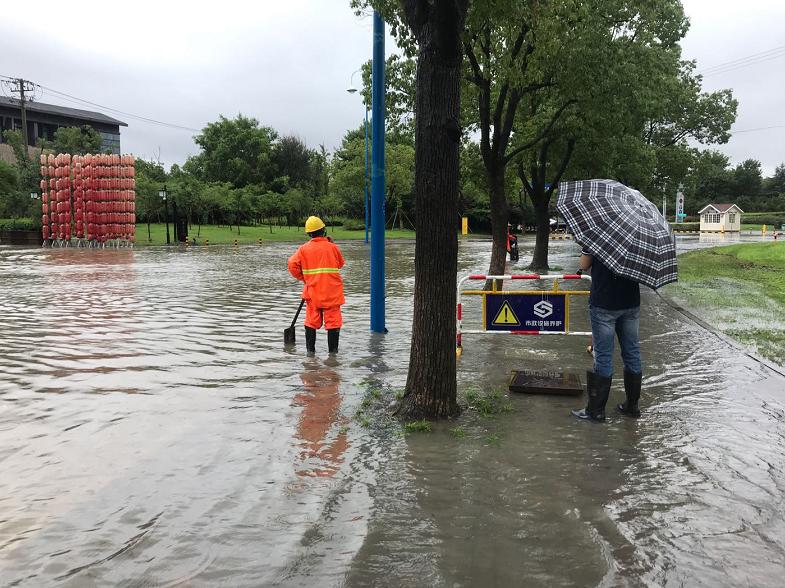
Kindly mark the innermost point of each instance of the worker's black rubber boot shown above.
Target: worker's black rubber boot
(632, 388)
(310, 340)
(598, 389)
(332, 340)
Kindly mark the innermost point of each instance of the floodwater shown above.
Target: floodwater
(154, 432)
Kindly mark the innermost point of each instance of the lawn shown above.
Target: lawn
(740, 289)
(753, 227)
(223, 235)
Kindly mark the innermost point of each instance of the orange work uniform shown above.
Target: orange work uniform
(318, 263)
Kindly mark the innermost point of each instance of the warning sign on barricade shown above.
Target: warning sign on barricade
(524, 312)
(529, 312)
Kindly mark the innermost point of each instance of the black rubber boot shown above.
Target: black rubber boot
(310, 340)
(332, 340)
(632, 388)
(598, 389)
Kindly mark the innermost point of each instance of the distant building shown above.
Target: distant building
(44, 119)
(722, 218)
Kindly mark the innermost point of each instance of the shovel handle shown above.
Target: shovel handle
(296, 316)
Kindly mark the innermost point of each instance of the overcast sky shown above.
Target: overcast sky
(289, 63)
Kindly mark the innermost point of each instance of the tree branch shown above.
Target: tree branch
(524, 180)
(564, 162)
(515, 152)
(484, 87)
(477, 78)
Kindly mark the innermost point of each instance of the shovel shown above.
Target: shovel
(288, 334)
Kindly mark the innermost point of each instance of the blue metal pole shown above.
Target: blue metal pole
(367, 208)
(377, 178)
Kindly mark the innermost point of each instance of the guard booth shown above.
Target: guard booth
(525, 312)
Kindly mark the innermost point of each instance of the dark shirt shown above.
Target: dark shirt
(610, 291)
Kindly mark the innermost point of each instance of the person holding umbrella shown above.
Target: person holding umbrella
(626, 242)
(614, 310)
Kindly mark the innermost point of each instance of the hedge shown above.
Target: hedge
(18, 224)
(686, 226)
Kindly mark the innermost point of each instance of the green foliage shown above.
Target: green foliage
(747, 179)
(421, 426)
(17, 182)
(487, 404)
(18, 224)
(712, 180)
(686, 226)
(348, 174)
(9, 179)
(493, 440)
(776, 183)
(77, 140)
(400, 77)
(236, 151)
(351, 224)
(772, 219)
(458, 432)
(291, 158)
(27, 172)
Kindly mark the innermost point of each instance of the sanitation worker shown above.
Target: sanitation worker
(318, 263)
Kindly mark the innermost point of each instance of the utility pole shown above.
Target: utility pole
(20, 86)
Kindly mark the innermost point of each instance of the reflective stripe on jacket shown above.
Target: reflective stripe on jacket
(318, 263)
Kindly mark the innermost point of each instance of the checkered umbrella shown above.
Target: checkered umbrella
(621, 228)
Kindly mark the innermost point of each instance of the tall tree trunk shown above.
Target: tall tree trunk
(541, 198)
(499, 216)
(542, 241)
(431, 390)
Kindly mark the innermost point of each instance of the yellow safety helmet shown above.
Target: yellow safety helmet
(314, 223)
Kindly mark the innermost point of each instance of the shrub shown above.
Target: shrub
(686, 226)
(353, 224)
(19, 224)
(776, 219)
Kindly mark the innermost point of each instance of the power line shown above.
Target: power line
(753, 56)
(115, 110)
(754, 59)
(758, 129)
(82, 101)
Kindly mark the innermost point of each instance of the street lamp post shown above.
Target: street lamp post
(377, 177)
(352, 90)
(162, 194)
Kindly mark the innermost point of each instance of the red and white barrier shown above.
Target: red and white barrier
(483, 277)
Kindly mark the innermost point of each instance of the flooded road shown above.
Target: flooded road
(153, 432)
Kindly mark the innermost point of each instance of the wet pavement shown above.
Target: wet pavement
(154, 432)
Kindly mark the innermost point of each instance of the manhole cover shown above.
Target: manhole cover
(545, 382)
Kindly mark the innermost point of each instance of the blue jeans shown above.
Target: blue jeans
(622, 323)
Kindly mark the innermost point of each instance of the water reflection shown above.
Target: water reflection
(320, 401)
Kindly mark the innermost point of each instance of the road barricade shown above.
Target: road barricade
(520, 312)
